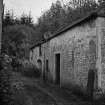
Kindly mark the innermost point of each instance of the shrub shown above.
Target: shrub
(30, 71)
(5, 92)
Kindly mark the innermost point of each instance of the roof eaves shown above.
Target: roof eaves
(37, 44)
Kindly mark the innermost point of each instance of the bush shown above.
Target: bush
(5, 92)
(30, 71)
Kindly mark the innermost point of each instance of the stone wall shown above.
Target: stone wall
(34, 56)
(101, 32)
(73, 47)
(76, 54)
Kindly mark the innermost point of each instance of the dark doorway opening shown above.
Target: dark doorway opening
(47, 65)
(57, 68)
(39, 64)
(47, 69)
(92, 82)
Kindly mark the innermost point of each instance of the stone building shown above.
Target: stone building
(65, 58)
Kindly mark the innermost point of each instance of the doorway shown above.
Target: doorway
(57, 68)
(92, 73)
(92, 49)
(47, 65)
(47, 69)
(39, 62)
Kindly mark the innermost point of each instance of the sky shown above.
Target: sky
(37, 7)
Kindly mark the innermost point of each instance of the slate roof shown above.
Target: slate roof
(38, 44)
(93, 14)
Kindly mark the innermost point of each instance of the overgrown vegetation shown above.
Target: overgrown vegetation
(62, 14)
(30, 71)
(20, 33)
(16, 40)
(59, 15)
(5, 83)
(10, 19)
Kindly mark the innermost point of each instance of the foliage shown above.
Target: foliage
(26, 19)
(10, 19)
(62, 14)
(13, 41)
(56, 18)
(17, 33)
(30, 71)
(102, 3)
(16, 40)
(5, 74)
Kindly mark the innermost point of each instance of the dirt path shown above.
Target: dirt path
(27, 91)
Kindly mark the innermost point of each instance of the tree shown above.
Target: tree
(12, 41)
(26, 19)
(59, 15)
(8, 19)
(101, 3)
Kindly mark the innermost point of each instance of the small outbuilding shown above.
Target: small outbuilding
(66, 57)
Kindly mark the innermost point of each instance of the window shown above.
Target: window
(40, 52)
(92, 55)
(57, 68)
(39, 64)
(32, 54)
(47, 65)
